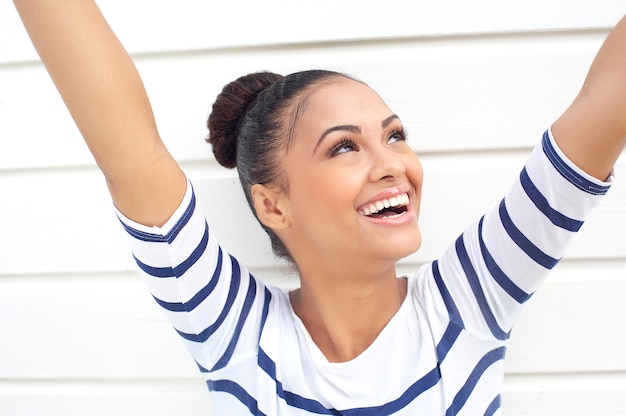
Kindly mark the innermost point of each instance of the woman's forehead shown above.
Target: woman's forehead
(345, 101)
(335, 101)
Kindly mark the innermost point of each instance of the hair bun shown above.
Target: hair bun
(228, 112)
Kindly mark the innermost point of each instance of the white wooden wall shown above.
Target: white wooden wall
(476, 82)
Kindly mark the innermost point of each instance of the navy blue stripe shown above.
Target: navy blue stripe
(180, 224)
(494, 406)
(420, 386)
(266, 304)
(166, 272)
(477, 289)
(496, 272)
(202, 369)
(142, 235)
(453, 312)
(447, 340)
(568, 173)
(313, 406)
(524, 243)
(245, 311)
(230, 387)
(487, 361)
(541, 202)
(309, 405)
(170, 306)
(235, 282)
(160, 272)
(456, 322)
(266, 364)
(199, 297)
(184, 219)
(182, 268)
(266, 309)
(295, 400)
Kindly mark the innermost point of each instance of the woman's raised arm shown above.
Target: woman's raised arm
(592, 132)
(104, 93)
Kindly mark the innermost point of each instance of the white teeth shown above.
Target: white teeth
(385, 203)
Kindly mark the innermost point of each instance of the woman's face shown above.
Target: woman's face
(354, 183)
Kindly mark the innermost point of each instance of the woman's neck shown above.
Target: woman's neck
(345, 313)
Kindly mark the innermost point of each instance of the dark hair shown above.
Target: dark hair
(252, 120)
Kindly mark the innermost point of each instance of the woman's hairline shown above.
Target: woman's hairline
(297, 109)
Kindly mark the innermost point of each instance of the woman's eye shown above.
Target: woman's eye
(397, 136)
(343, 147)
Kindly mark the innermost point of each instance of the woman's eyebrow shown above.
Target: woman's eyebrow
(388, 120)
(344, 127)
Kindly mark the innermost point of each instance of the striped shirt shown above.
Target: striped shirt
(441, 354)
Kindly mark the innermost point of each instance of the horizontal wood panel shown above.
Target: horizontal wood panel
(573, 394)
(105, 398)
(59, 221)
(574, 323)
(569, 394)
(507, 93)
(86, 327)
(63, 221)
(195, 24)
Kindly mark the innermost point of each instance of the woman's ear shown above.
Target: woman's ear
(269, 207)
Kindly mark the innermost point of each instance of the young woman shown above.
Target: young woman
(324, 164)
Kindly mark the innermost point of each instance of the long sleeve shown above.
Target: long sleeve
(500, 261)
(211, 300)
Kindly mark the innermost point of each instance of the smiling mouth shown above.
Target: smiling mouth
(387, 208)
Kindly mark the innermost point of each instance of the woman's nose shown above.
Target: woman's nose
(386, 164)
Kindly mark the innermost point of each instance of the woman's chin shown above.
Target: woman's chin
(403, 246)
